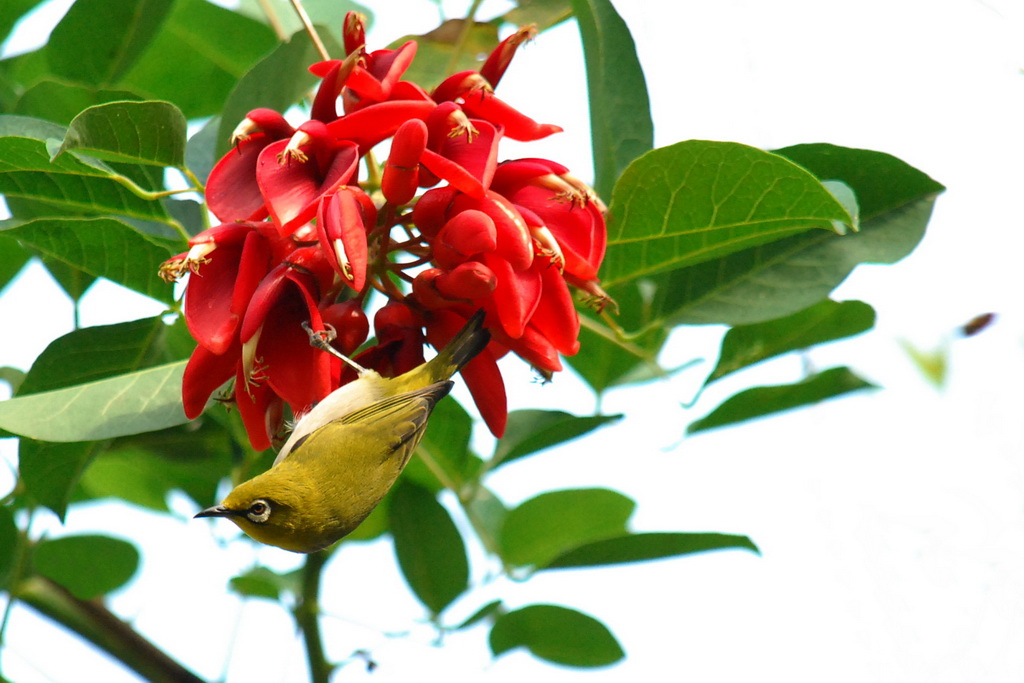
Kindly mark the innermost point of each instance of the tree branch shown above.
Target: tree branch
(91, 620)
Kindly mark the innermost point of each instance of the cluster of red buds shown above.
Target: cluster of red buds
(305, 240)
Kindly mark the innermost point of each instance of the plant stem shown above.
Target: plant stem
(460, 44)
(273, 20)
(307, 616)
(308, 25)
(91, 620)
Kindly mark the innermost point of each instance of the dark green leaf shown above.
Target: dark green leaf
(50, 471)
(88, 566)
(260, 582)
(529, 431)
(11, 11)
(13, 258)
(544, 527)
(430, 549)
(67, 182)
(197, 57)
(695, 201)
(127, 404)
(93, 353)
(781, 278)
(134, 132)
(199, 152)
(620, 111)
(435, 50)
(556, 634)
(826, 321)
(606, 358)
(60, 102)
(143, 469)
(73, 281)
(881, 182)
(648, 546)
(761, 401)
(445, 445)
(278, 81)
(101, 247)
(97, 41)
(491, 609)
(8, 544)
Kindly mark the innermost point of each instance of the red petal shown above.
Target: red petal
(431, 210)
(204, 373)
(515, 295)
(349, 321)
(513, 237)
(384, 68)
(401, 173)
(340, 219)
(471, 280)
(232, 193)
(374, 123)
(257, 405)
(482, 104)
(581, 232)
(556, 316)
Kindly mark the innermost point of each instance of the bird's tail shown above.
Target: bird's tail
(463, 347)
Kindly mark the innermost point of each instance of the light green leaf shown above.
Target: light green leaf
(695, 201)
(826, 321)
(544, 527)
(529, 431)
(325, 14)
(647, 546)
(127, 404)
(198, 56)
(543, 13)
(556, 634)
(135, 132)
(261, 582)
(430, 549)
(277, 81)
(762, 401)
(102, 247)
(620, 110)
(97, 41)
(88, 566)
(435, 50)
(61, 102)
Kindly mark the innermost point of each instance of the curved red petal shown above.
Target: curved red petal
(204, 373)
(516, 294)
(232, 193)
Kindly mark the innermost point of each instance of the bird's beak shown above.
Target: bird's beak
(215, 511)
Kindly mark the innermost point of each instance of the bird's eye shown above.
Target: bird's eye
(259, 511)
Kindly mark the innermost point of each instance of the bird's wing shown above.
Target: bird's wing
(396, 422)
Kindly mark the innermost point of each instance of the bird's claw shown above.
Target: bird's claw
(320, 339)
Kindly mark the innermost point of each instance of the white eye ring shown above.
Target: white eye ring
(259, 511)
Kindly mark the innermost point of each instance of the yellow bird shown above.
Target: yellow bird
(345, 454)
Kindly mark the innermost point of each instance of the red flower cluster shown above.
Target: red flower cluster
(306, 240)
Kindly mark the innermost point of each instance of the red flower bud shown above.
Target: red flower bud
(470, 280)
(431, 210)
(468, 233)
(513, 238)
(401, 173)
(349, 322)
(499, 59)
(341, 227)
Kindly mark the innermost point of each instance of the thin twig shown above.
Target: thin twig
(308, 25)
(460, 43)
(273, 20)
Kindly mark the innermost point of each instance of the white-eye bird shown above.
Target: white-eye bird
(345, 454)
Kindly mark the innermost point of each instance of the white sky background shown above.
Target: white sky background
(891, 524)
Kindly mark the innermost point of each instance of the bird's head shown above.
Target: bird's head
(272, 511)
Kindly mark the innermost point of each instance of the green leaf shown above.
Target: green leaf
(13, 258)
(260, 582)
(87, 565)
(127, 404)
(781, 278)
(695, 201)
(67, 182)
(134, 132)
(11, 11)
(543, 13)
(97, 41)
(199, 151)
(556, 634)
(435, 50)
(933, 364)
(648, 546)
(761, 401)
(93, 353)
(51, 471)
(143, 469)
(445, 445)
(277, 82)
(491, 609)
(198, 56)
(430, 549)
(608, 358)
(73, 281)
(102, 247)
(825, 321)
(12, 376)
(881, 182)
(60, 102)
(620, 111)
(529, 431)
(8, 544)
(544, 527)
